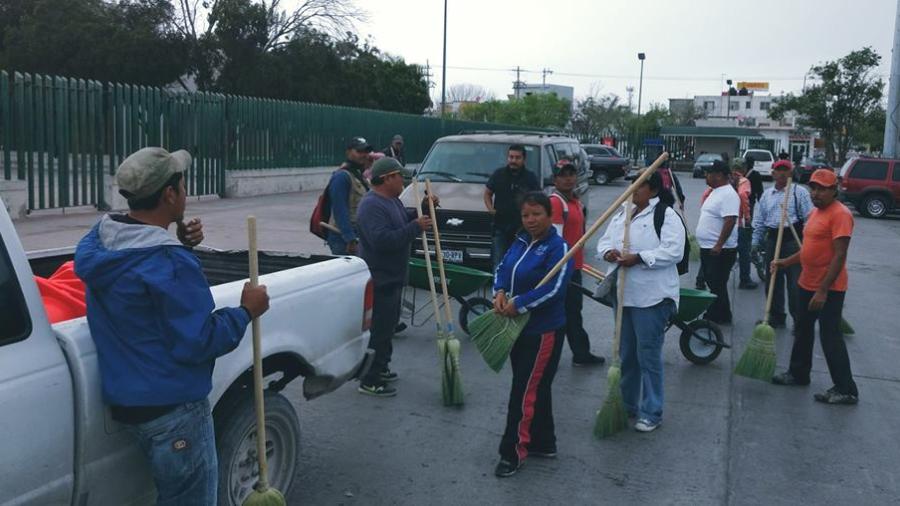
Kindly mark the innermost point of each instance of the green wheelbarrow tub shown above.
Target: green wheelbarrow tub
(693, 303)
(461, 281)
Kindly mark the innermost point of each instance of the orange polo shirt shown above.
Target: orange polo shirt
(821, 229)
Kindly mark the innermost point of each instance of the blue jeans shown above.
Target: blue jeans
(500, 242)
(337, 244)
(643, 333)
(181, 448)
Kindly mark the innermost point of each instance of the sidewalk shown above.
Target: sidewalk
(283, 222)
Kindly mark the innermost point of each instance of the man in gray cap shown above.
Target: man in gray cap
(386, 230)
(153, 322)
(395, 150)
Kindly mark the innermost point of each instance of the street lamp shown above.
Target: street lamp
(728, 94)
(444, 70)
(641, 56)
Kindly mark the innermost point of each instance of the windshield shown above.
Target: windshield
(845, 167)
(759, 156)
(708, 157)
(471, 162)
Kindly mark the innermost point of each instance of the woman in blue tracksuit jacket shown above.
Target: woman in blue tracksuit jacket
(535, 355)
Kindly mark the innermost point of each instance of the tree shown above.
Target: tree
(871, 132)
(535, 110)
(467, 92)
(598, 116)
(847, 91)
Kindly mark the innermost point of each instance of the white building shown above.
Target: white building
(566, 92)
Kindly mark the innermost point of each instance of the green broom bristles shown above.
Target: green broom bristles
(846, 328)
(494, 336)
(452, 377)
(445, 375)
(695, 247)
(612, 417)
(758, 360)
(267, 497)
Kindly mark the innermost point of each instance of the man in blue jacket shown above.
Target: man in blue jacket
(151, 316)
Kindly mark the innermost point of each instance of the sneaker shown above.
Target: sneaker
(788, 379)
(644, 425)
(377, 389)
(747, 285)
(589, 360)
(399, 328)
(832, 396)
(543, 453)
(388, 376)
(506, 468)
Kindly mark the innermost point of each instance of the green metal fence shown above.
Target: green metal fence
(65, 137)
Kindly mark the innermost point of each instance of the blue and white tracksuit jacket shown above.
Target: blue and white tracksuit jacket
(523, 267)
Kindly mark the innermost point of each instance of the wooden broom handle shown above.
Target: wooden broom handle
(253, 257)
(772, 275)
(605, 216)
(428, 270)
(439, 253)
(620, 284)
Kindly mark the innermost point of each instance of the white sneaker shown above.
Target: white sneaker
(644, 425)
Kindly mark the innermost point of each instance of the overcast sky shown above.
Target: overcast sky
(689, 43)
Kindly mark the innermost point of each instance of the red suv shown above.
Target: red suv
(872, 185)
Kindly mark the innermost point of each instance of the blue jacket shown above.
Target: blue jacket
(151, 315)
(523, 267)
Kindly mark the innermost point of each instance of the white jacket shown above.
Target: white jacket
(656, 278)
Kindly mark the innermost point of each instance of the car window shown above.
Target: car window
(709, 157)
(760, 156)
(564, 149)
(472, 162)
(547, 162)
(591, 150)
(870, 169)
(15, 323)
(896, 176)
(613, 152)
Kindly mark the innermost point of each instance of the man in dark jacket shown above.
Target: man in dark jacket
(152, 318)
(395, 150)
(386, 230)
(502, 193)
(345, 189)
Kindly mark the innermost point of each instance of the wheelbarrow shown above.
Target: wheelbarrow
(701, 340)
(462, 283)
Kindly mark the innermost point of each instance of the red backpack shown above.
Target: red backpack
(322, 212)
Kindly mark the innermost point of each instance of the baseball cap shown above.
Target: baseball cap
(397, 138)
(359, 144)
(824, 177)
(385, 167)
(737, 163)
(782, 164)
(719, 166)
(564, 164)
(147, 170)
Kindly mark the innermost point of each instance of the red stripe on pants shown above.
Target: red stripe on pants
(537, 372)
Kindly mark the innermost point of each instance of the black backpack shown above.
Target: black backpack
(659, 217)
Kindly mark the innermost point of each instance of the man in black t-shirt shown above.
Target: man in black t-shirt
(502, 194)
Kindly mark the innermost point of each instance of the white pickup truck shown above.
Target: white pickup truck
(59, 444)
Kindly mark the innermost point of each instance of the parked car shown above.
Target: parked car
(60, 444)
(871, 185)
(607, 164)
(807, 166)
(460, 165)
(704, 162)
(762, 161)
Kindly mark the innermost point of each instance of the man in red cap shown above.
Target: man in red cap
(820, 292)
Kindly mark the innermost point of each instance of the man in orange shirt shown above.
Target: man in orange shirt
(821, 289)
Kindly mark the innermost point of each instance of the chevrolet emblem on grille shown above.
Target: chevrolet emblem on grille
(455, 222)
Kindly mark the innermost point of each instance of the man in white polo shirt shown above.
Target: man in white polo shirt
(717, 235)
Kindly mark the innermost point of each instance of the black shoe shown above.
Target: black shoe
(506, 468)
(543, 453)
(700, 285)
(832, 396)
(399, 328)
(747, 285)
(588, 360)
(377, 389)
(388, 376)
(788, 379)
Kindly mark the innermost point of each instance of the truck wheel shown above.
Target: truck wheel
(874, 206)
(473, 308)
(697, 351)
(601, 177)
(236, 446)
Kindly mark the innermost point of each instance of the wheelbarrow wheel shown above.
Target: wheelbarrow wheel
(705, 350)
(471, 309)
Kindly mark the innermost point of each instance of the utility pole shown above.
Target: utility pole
(544, 78)
(891, 138)
(444, 71)
(518, 84)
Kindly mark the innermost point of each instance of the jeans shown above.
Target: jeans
(643, 333)
(500, 242)
(181, 448)
(745, 240)
(529, 417)
(832, 339)
(385, 315)
(717, 270)
(337, 243)
(786, 279)
(578, 339)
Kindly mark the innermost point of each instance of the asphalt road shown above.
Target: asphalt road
(724, 439)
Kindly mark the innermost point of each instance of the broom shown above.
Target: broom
(451, 377)
(846, 328)
(495, 334)
(612, 417)
(262, 494)
(758, 359)
(441, 338)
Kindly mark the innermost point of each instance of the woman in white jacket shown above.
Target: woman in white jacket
(651, 296)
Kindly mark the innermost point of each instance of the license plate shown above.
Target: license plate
(453, 255)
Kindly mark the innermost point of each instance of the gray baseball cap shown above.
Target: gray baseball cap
(385, 167)
(145, 171)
